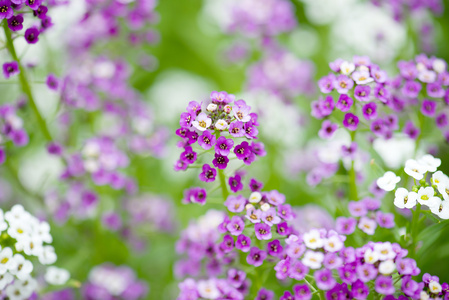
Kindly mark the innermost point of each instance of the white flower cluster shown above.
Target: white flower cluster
(22, 236)
(434, 195)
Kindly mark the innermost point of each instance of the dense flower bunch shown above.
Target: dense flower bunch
(433, 194)
(25, 239)
(402, 9)
(106, 21)
(113, 282)
(423, 82)
(217, 126)
(11, 129)
(262, 18)
(14, 12)
(282, 74)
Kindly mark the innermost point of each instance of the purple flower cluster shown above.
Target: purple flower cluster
(217, 126)
(282, 74)
(401, 9)
(107, 20)
(15, 10)
(423, 82)
(366, 216)
(262, 18)
(11, 129)
(113, 282)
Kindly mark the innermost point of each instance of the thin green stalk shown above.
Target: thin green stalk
(25, 85)
(224, 188)
(353, 195)
(414, 228)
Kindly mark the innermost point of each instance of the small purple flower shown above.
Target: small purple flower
(411, 130)
(220, 161)
(343, 84)
(263, 231)
(408, 69)
(236, 129)
(242, 150)
(442, 120)
(385, 220)
(327, 129)
(347, 273)
(41, 12)
(428, 107)
(6, 10)
(256, 256)
(287, 296)
(54, 148)
(235, 204)
(302, 292)
(194, 108)
(243, 243)
(188, 156)
(195, 195)
(297, 270)
(382, 93)
(236, 277)
(362, 92)
(344, 103)
(327, 106)
(345, 226)
(236, 225)
(369, 111)
(359, 290)
(274, 248)
(283, 229)
(222, 97)
(351, 121)
(357, 208)
(270, 217)
(251, 131)
(208, 174)
(10, 69)
(406, 266)
(15, 23)
(379, 75)
(253, 215)
(32, 35)
(350, 151)
(227, 244)
(235, 183)
(366, 272)
(264, 294)
(186, 119)
(52, 82)
(411, 89)
(223, 146)
(326, 83)
(207, 140)
(285, 212)
(258, 149)
(435, 90)
(384, 285)
(254, 185)
(112, 221)
(282, 268)
(275, 198)
(34, 4)
(332, 261)
(295, 250)
(324, 279)
(2, 156)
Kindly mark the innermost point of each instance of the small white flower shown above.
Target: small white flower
(333, 244)
(362, 77)
(15, 291)
(30, 245)
(221, 124)
(405, 199)
(16, 213)
(5, 279)
(48, 255)
(91, 165)
(313, 240)
(28, 286)
(387, 267)
(429, 162)
(426, 197)
(56, 276)
(212, 107)
(388, 181)
(367, 225)
(208, 289)
(347, 68)
(19, 230)
(255, 197)
(371, 256)
(265, 207)
(424, 296)
(441, 180)
(6, 261)
(385, 251)
(439, 65)
(435, 287)
(23, 267)
(441, 208)
(202, 122)
(42, 232)
(415, 169)
(313, 259)
(427, 76)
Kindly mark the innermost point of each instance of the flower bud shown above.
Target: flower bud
(212, 107)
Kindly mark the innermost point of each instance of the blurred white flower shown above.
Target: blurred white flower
(388, 181)
(56, 276)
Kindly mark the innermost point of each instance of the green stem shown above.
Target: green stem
(25, 85)
(414, 229)
(353, 195)
(224, 188)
